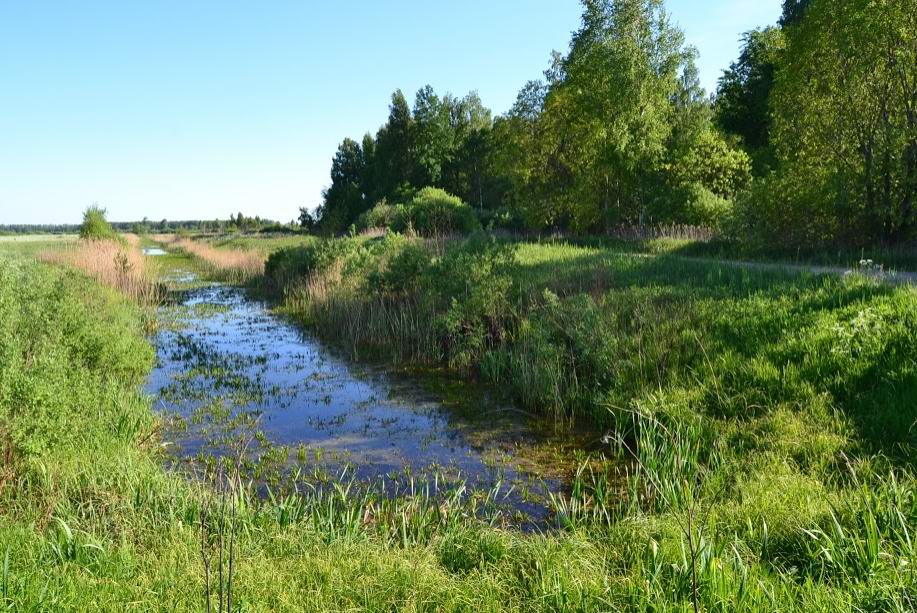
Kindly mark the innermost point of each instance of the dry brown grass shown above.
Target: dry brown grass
(118, 265)
(232, 264)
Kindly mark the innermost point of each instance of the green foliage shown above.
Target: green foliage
(383, 215)
(704, 208)
(289, 263)
(619, 133)
(434, 212)
(844, 121)
(431, 212)
(402, 268)
(743, 93)
(710, 163)
(95, 226)
(472, 289)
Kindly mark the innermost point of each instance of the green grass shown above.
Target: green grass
(264, 245)
(761, 441)
(763, 397)
(901, 257)
(34, 243)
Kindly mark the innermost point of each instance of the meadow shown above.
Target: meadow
(758, 450)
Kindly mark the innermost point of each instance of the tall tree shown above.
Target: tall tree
(793, 11)
(433, 137)
(465, 173)
(393, 152)
(344, 199)
(845, 119)
(621, 77)
(743, 94)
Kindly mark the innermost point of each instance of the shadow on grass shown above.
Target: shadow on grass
(773, 337)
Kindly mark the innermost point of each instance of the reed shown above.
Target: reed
(119, 265)
(233, 265)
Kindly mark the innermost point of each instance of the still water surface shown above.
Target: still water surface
(228, 368)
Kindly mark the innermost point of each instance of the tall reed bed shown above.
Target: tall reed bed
(233, 265)
(117, 264)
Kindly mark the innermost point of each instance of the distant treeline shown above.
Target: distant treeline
(810, 138)
(235, 223)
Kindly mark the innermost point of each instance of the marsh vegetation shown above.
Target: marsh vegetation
(751, 442)
(509, 364)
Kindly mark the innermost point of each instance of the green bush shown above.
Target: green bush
(431, 212)
(290, 263)
(704, 208)
(383, 215)
(503, 218)
(402, 264)
(95, 226)
(434, 212)
(473, 290)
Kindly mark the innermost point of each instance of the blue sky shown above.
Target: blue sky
(185, 110)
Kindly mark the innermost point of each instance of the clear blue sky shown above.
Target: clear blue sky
(198, 109)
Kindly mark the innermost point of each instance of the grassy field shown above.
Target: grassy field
(262, 245)
(759, 456)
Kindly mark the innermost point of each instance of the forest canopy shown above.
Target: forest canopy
(810, 138)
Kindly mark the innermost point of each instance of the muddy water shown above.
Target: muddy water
(232, 375)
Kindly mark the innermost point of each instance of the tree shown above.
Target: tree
(95, 226)
(620, 80)
(433, 137)
(344, 199)
(845, 121)
(793, 11)
(394, 165)
(743, 94)
(466, 171)
(306, 219)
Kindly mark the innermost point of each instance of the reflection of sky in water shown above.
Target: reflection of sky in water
(153, 251)
(306, 395)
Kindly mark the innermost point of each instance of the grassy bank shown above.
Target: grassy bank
(777, 403)
(749, 486)
(92, 521)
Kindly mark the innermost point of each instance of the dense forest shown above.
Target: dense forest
(810, 138)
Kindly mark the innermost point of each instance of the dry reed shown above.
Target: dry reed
(118, 265)
(233, 264)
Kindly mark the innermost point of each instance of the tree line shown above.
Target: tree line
(236, 223)
(811, 136)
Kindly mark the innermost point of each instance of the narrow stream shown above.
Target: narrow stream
(232, 375)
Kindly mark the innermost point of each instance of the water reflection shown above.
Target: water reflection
(228, 366)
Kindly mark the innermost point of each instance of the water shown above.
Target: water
(153, 251)
(233, 374)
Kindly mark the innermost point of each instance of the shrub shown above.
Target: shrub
(95, 226)
(290, 263)
(435, 212)
(402, 265)
(383, 215)
(432, 212)
(472, 288)
(704, 208)
(503, 218)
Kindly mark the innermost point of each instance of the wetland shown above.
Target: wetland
(235, 380)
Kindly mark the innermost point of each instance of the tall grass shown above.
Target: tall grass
(117, 264)
(729, 396)
(233, 265)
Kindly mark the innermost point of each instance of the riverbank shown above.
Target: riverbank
(782, 506)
